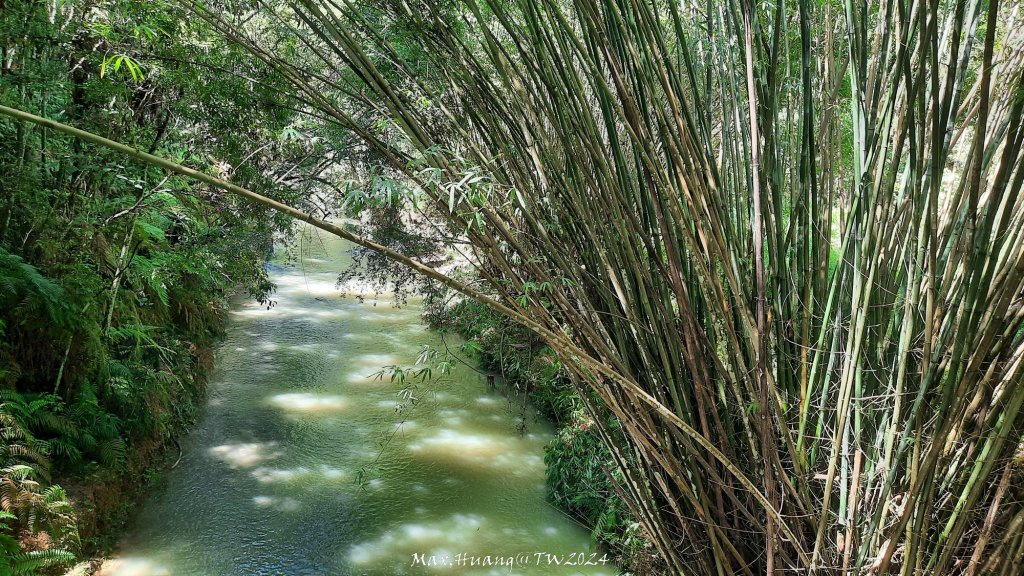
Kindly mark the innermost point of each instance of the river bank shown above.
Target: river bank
(106, 501)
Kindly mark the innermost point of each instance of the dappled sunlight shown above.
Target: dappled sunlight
(364, 379)
(400, 340)
(256, 312)
(459, 532)
(320, 314)
(388, 404)
(405, 426)
(481, 451)
(314, 284)
(370, 369)
(245, 455)
(373, 361)
(369, 452)
(277, 503)
(365, 368)
(264, 367)
(131, 566)
(302, 474)
(335, 311)
(373, 337)
(273, 475)
(452, 418)
(308, 348)
(333, 474)
(249, 312)
(384, 315)
(309, 402)
(306, 457)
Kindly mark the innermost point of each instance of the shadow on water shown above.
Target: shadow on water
(301, 464)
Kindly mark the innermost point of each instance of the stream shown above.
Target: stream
(301, 463)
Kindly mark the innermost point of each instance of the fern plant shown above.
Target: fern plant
(25, 496)
(16, 562)
(30, 294)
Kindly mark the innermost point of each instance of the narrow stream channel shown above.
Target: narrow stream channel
(290, 470)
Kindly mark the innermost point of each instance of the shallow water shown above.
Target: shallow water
(301, 464)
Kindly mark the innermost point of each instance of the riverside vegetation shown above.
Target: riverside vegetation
(113, 276)
(773, 250)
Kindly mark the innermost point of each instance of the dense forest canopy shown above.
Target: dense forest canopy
(776, 247)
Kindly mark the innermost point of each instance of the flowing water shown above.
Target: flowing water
(301, 463)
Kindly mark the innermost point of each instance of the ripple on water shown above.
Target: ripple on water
(301, 465)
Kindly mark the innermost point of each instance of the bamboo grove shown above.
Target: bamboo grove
(778, 245)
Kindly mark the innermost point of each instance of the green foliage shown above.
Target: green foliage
(15, 562)
(26, 502)
(114, 276)
(30, 294)
(577, 464)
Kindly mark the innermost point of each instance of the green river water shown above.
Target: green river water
(300, 464)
